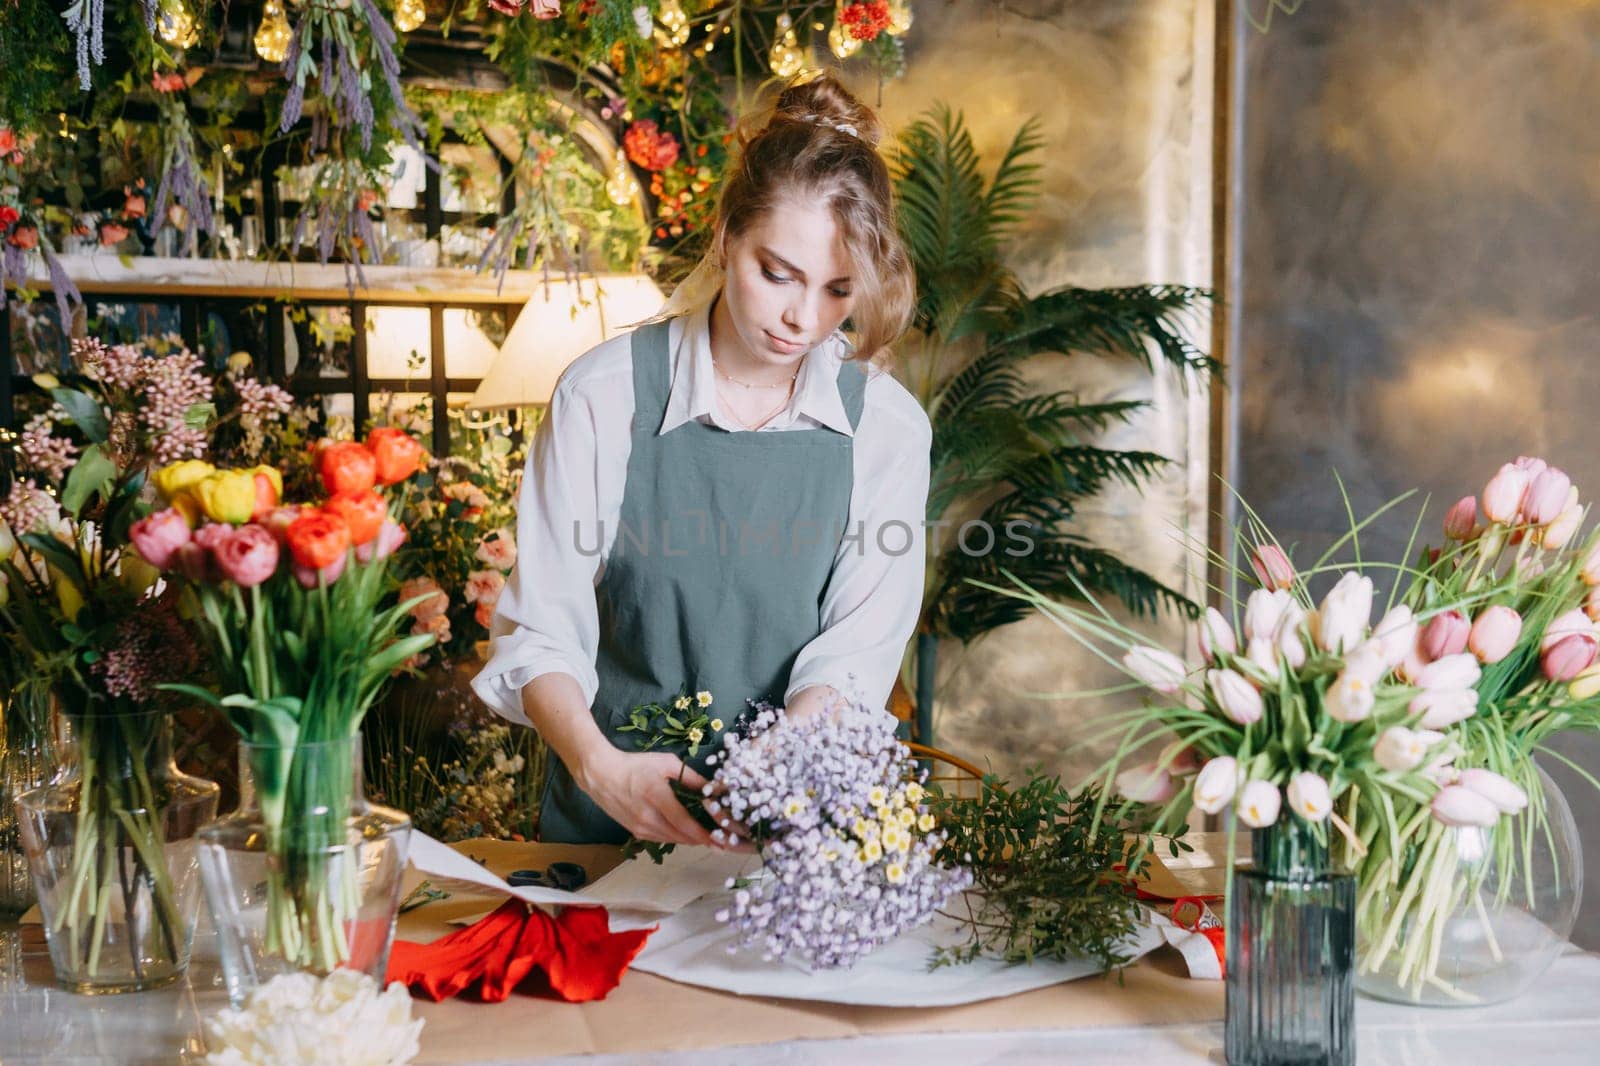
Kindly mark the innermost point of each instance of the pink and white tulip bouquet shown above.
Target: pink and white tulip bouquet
(1385, 736)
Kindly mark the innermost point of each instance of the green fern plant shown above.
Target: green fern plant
(1021, 459)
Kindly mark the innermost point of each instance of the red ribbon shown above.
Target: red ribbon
(573, 956)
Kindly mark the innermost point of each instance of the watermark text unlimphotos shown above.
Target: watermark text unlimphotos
(694, 532)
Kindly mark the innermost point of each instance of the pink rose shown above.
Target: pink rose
(484, 585)
(545, 9)
(432, 607)
(484, 613)
(390, 536)
(328, 574)
(248, 556)
(498, 550)
(158, 537)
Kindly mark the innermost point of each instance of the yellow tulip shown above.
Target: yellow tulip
(1586, 685)
(67, 595)
(272, 474)
(227, 496)
(136, 575)
(174, 479)
(185, 504)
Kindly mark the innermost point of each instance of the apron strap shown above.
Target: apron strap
(652, 377)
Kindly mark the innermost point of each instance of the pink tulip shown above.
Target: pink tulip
(211, 535)
(1272, 568)
(1546, 497)
(1451, 672)
(390, 536)
(1259, 803)
(1216, 635)
(1494, 634)
(1440, 708)
(1569, 657)
(1460, 519)
(248, 556)
(1161, 670)
(1239, 700)
(1456, 805)
(158, 537)
(1146, 783)
(1559, 533)
(1573, 623)
(1498, 790)
(280, 519)
(1502, 496)
(1178, 759)
(1591, 566)
(1445, 634)
(308, 577)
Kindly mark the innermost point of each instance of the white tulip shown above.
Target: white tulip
(1216, 635)
(1262, 612)
(1450, 672)
(1444, 707)
(1239, 699)
(1367, 661)
(1345, 612)
(1215, 785)
(1161, 670)
(1263, 654)
(1349, 698)
(1259, 803)
(1400, 749)
(1396, 633)
(1309, 796)
(1498, 790)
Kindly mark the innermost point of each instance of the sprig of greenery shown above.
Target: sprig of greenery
(686, 726)
(1048, 880)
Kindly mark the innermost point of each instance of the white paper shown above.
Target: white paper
(692, 947)
(638, 891)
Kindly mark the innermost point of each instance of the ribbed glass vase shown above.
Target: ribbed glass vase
(1291, 953)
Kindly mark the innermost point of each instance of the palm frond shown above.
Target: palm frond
(1115, 322)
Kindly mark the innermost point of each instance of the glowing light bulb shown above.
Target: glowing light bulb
(272, 36)
(619, 186)
(899, 17)
(175, 24)
(676, 23)
(409, 14)
(844, 46)
(785, 59)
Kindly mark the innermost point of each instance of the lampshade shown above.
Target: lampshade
(559, 323)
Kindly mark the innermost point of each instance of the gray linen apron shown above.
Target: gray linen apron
(715, 580)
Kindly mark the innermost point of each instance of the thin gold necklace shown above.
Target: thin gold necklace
(750, 384)
(764, 419)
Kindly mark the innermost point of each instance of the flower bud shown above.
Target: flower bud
(1586, 686)
(1460, 519)
(1238, 699)
(1263, 610)
(1216, 635)
(1457, 805)
(1546, 497)
(1349, 698)
(1445, 634)
(1572, 623)
(1272, 567)
(1561, 531)
(1450, 672)
(1444, 707)
(1569, 657)
(1590, 571)
(1146, 783)
(1259, 803)
(1309, 796)
(1396, 633)
(1346, 611)
(1161, 670)
(1400, 749)
(1498, 790)
(1494, 634)
(1215, 785)
(1502, 496)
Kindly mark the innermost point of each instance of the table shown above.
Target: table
(1154, 1017)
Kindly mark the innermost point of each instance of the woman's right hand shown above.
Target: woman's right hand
(635, 788)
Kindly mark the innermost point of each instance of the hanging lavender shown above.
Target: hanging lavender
(335, 217)
(182, 180)
(68, 299)
(86, 19)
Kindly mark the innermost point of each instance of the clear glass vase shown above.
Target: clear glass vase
(305, 876)
(110, 844)
(27, 761)
(1291, 953)
(1474, 916)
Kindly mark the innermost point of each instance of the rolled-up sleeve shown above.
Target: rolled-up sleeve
(874, 595)
(546, 620)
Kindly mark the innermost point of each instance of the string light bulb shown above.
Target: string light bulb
(676, 23)
(272, 36)
(899, 17)
(175, 24)
(409, 14)
(785, 59)
(844, 46)
(619, 186)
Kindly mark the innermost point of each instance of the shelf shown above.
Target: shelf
(149, 276)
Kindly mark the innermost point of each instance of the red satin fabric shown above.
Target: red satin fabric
(573, 956)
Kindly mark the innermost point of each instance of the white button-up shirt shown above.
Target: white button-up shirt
(547, 620)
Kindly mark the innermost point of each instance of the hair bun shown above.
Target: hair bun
(824, 101)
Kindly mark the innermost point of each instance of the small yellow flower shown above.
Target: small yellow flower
(877, 795)
(716, 725)
(914, 792)
(895, 873)
(696, 735)
(908, 817)
(175, 479)
(884, 815)
(872, 852)
(926, 823)
(681, 703)
(897, 800)
(703, 698)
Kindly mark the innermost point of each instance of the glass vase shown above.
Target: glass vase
(1291, 953)
(27, 762)
(110, 844)
(305, 876)
(1474, 916)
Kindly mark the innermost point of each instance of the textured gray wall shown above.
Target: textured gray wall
(1420, 268)
(1123, 89)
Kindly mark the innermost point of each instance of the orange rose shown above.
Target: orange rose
(317, 539)
(347, 468)
(397, 452)
(363, 513)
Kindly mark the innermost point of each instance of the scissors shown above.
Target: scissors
(566, 876)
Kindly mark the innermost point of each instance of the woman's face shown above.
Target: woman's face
(788, 282)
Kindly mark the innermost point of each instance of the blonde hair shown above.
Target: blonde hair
(816, 140)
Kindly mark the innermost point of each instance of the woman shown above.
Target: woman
(728, 499)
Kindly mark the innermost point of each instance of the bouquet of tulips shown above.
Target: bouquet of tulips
(301, 633)
(1383, 737)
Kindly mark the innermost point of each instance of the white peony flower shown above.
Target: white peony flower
(296, 1019)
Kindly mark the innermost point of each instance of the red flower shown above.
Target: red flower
(8, 140)
(316, 539)
(8, 215)
(649, 147)
(347, 467)
(397, 453)
(866, 20)
(363, 512)
(509, 8)
(168, 83)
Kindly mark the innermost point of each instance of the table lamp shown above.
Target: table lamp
(560, 322)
